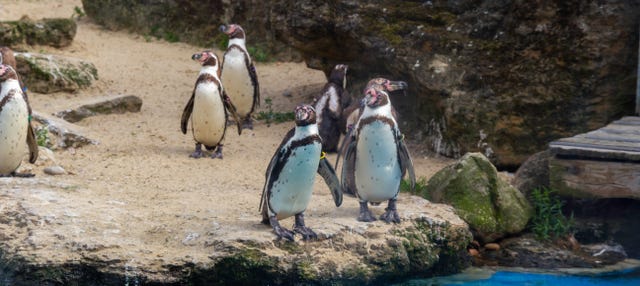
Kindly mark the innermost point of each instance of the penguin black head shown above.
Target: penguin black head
(7, 72)
(305, 115)
(206, 58)
(234, 31)
(339, 75)
(376, 96)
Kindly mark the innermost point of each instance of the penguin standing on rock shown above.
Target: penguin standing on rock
(329, 106)
(291, 173)
(376, 158)
(239, 75)
(15, 125)
(207, 108)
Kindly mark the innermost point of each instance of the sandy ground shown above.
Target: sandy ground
(142, 165)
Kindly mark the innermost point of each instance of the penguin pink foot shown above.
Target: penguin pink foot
(365, 214)
(300, 228)
(391, 214)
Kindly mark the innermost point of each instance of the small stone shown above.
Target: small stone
(287, 93)
(492, 246)
(54, 170)
(473, 252)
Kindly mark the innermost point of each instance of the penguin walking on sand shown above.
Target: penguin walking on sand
(329, 105)
(207, 108)
(15, 125)
(239, 75)
(291, 173)
(376, 158)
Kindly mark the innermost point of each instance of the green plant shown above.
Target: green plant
(270, 116)
(42, 137)
(548, 222)
(421, 186)
(78, 13)
(258, 54)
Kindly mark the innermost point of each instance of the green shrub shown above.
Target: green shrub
(42, 137)
(274, 117)
(548, 222)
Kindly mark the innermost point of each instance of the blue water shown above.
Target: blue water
(503, 278)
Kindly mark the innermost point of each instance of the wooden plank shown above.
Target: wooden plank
(619, 140)
(599, 179)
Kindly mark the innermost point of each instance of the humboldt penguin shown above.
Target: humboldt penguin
(377, 157)
(208, 107)
(351, 114)
(239, 75)
(329, 105)
(291, 173)
(15, 125)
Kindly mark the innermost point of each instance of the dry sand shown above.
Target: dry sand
(141, 168)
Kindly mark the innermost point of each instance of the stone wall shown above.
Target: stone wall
(499, 77)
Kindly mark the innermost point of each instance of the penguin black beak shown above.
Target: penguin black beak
(397, 85)
(196, 57)
(223, 29)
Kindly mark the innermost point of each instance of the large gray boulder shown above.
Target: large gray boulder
(50, 73)
(490, 205)
(500, 77)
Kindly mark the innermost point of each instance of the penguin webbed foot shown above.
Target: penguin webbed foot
(18, 175)
(197, 153)
(218, 153)
(303, 230)
(280, 231)
(365, 214)
(391, 213)
(306, 232)
(247, 123)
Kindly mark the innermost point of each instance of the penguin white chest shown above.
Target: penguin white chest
(377, 169)
(291, 192)
(14, 120)
(237, 81)
(208, 116)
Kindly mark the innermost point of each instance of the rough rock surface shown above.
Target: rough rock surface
(50, 73)
(56, 32)
(66, 134)
(54, 233)
(533, 173)
(103, 105)
(499, 77)
(490, 205)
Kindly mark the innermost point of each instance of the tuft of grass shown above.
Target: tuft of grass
(258, 54)
(78, 13)
(274, 117)
(421, 186)
(548, 222)
(42, 137)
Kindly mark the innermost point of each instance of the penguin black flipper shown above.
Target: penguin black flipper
(276, 164)
(229, 107)
(348, 169)
(406, 164)
(331, 179)
(186, 113)
(32, 143)
(254, 80)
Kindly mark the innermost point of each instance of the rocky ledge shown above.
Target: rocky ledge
(52, 233)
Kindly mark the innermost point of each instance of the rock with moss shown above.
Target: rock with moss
(48, 73)
(55, 32)
(430, 240)
(490, 205)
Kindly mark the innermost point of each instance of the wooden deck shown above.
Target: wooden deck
(603, 163)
